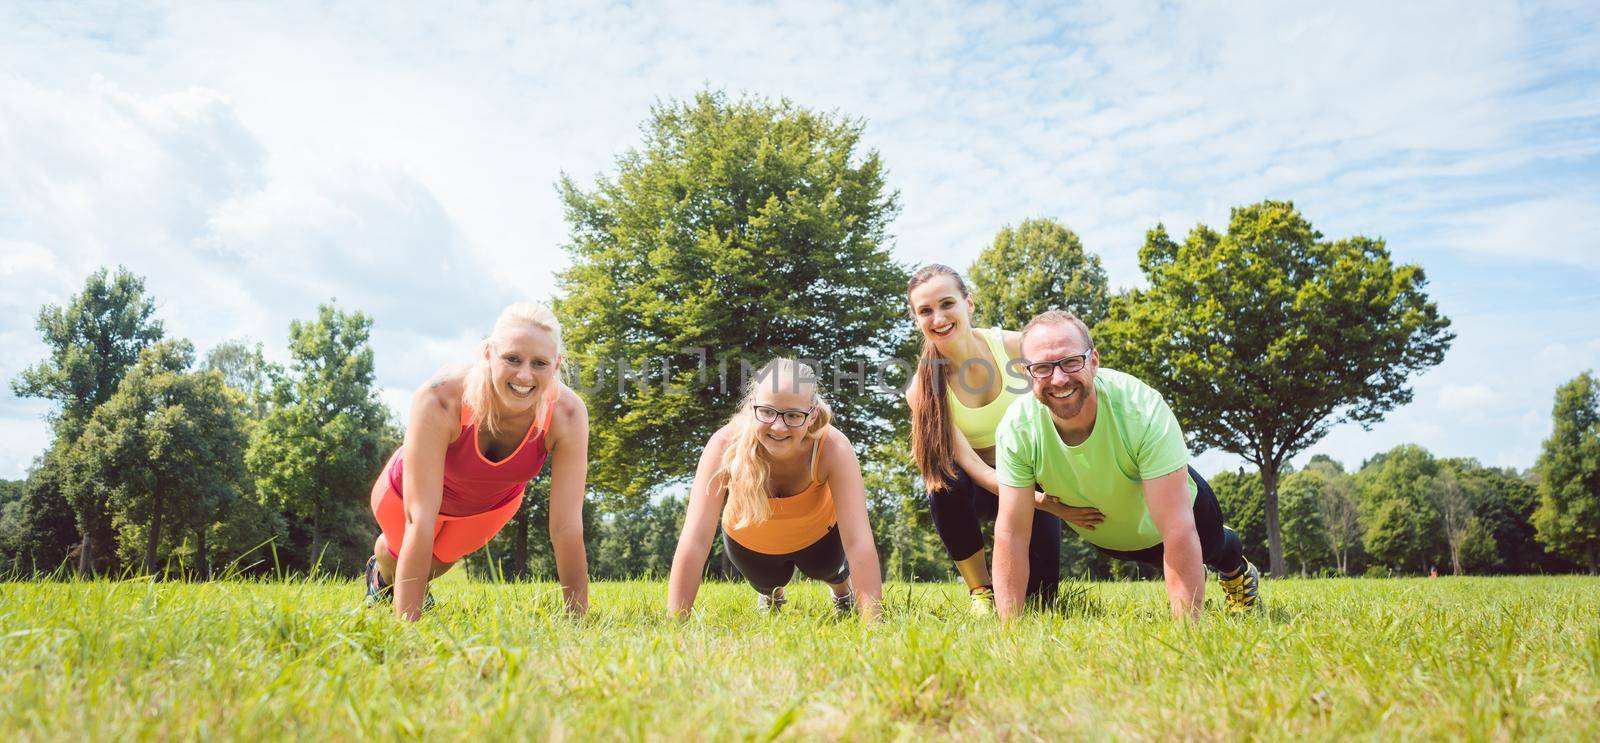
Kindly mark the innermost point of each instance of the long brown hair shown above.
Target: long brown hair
(930, 418)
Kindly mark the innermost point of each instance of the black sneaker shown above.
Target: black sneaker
(379, 592)
(844, 606)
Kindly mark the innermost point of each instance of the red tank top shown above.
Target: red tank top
(472, 483)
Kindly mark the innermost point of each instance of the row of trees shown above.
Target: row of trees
(159, 459)
(740, 230)
(1404, 510)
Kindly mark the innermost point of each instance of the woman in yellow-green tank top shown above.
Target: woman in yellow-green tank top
(965, 380)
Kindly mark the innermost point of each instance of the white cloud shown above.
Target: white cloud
(23, 436)
(1563, 228)
(1465, 398)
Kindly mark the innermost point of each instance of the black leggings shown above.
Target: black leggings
(823, 560)
(1220, 547)
(963, 504)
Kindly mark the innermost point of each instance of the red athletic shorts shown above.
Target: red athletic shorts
(454, 537)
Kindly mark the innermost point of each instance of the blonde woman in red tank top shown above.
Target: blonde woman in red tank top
(787, 489)
(475, 436)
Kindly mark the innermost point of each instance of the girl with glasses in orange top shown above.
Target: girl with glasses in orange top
(787, 489)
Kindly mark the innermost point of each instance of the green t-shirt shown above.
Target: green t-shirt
(1135, 438)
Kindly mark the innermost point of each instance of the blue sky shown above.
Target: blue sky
(254, 160)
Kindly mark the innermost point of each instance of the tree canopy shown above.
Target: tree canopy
(739, 230)
(1264, 338)
(1038, 265)
(321, 448)
(1568, 517)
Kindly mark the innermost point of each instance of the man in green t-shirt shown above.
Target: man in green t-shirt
(1095, 437)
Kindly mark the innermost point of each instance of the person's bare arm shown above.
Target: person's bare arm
(1167, 497)
(569, 471)
(431, 426)
(1013, 529)
(706, 497)
(985, 476)
(843, 472)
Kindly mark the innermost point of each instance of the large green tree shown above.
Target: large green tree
(315, 455)
(739, 230)
(10, 504)
(39, 529)
(1456, 498)
(1038, 265)
(1322, 524)
(1266, 337)
(241, 540)
(92, 340)
(167, 449)
(1506, 541)
(1399, 510)
(245, 368)
(1568, 517)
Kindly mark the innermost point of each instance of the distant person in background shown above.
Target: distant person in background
(787, 489)
(964, 382)
(1091, 436)
(475, 436)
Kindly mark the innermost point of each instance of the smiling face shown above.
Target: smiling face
(522, 362)
(940, 309)
(779, 439)
(1069, 397)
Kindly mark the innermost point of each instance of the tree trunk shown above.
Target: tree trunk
(1269, 483)
(86, 557)
(315, 558)
(154, 537)
(519, 542)
(204, 567)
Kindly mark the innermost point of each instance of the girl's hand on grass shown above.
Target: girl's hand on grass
(1085, 516)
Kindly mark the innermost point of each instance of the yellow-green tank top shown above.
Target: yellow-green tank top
(979, 424)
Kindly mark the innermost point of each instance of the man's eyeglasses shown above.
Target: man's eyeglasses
(791, 418)
(1069, 364)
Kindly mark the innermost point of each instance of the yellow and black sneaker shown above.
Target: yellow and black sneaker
(982, 601)
(1243, 591)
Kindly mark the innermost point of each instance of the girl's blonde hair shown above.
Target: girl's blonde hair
(479, 394)
(745, 462)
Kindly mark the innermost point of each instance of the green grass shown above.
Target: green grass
(1477, 658)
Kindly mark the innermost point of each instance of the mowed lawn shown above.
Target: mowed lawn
(1480, 658)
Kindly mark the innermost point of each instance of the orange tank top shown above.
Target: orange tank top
(797, 521)
(473, 483)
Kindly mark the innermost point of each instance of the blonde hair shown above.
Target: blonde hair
(479, 393)
(745, 462)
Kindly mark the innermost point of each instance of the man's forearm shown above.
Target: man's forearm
(1185, 575)
(1010, 573)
